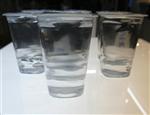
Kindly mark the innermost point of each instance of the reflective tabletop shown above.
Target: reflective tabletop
(28, 94)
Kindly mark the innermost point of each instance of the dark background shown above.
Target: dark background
(93, 5)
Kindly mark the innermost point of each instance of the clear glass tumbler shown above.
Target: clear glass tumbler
(65, 40)
(118, 37)
(25, 34)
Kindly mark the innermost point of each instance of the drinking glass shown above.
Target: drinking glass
(118, 35)
(65, 40)
(25, 34)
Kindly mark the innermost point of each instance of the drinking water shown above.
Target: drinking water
(119, 38)
(30, 59)
(26, 39)
(116, 61)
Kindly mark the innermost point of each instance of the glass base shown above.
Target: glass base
(65, 92)
(36, 70)
(114, 74)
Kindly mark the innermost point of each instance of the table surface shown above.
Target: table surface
(22, 93)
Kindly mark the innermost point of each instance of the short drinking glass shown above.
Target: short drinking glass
(118, 36)
(25, 34)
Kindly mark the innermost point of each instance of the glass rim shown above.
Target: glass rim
(33, 11)
(123, 16)
(47, 11)
(112, 12)
(66, 16)
(76, 11)
(59, 11)
(18, 14)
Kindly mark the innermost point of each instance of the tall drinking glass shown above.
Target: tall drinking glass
(25, 34)
(65, 41)
(118, 37)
